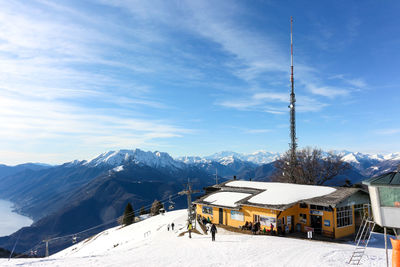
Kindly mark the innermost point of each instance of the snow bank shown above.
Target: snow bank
(131, 246)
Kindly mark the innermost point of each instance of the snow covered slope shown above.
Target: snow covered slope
(154, 159)
(148, 243)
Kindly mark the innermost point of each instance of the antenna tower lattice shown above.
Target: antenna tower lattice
(292, 107)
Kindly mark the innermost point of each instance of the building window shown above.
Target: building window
(358, 207)
(315, 207)
(344, 216)
(328, 209)
(389, 196)
(303, 205)
(303, 218)
(207, 210)
(359, 210)
(256, 218)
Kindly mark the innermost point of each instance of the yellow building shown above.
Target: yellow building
(329, 211)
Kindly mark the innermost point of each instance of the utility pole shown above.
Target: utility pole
(216, 176)
(47, 247)
(189, 191)
(293, 144)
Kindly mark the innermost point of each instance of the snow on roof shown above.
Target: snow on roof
(282, 193)
(226, 199)
(248, 184)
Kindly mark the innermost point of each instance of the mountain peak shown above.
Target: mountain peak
(123, 156)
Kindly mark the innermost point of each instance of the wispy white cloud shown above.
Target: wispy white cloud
(327, 91)
(77, 73)
(360, 83)
(273, 103)
(257, 131)
(356, 82)
(271, 96)
(64, 80)
(389, 131)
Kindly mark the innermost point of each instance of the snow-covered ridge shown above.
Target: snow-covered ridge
(228, 157)
(117, 158)
(263, 157)
(356, 157)
(164, 160)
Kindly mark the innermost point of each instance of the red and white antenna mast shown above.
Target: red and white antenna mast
(293, 144)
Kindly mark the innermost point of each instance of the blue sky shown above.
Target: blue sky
(79, 78)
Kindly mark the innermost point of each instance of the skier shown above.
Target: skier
(213, 231)
(172, 226)
(190, 227)
(168, 227)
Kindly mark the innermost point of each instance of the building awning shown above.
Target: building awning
(388, 179)
(336, 198)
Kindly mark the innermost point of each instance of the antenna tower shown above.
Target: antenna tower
(293, 144)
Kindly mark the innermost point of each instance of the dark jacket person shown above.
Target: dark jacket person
(213, 231)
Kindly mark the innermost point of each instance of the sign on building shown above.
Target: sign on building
(267, 221)
(316, 212)
(237, 216)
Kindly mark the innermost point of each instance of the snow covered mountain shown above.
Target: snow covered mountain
(367, 164)
(154, 159)
(357, 157)
(371, 164)
(258, 157)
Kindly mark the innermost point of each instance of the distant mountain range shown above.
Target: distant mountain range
(367, 164)
(76, 195)
(226, 157)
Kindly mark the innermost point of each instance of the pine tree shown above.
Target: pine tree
(155, 207)
(129, 215)
(142, 211)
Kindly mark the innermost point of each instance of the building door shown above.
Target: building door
(221, 216)
(316, 223)
(292, 225)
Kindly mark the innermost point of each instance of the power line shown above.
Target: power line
(47, 240)
(111, 221)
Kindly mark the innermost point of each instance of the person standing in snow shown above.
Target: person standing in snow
(190, 227)
(253, 228)
(168, 227)
(213, 231)
(172, 226)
